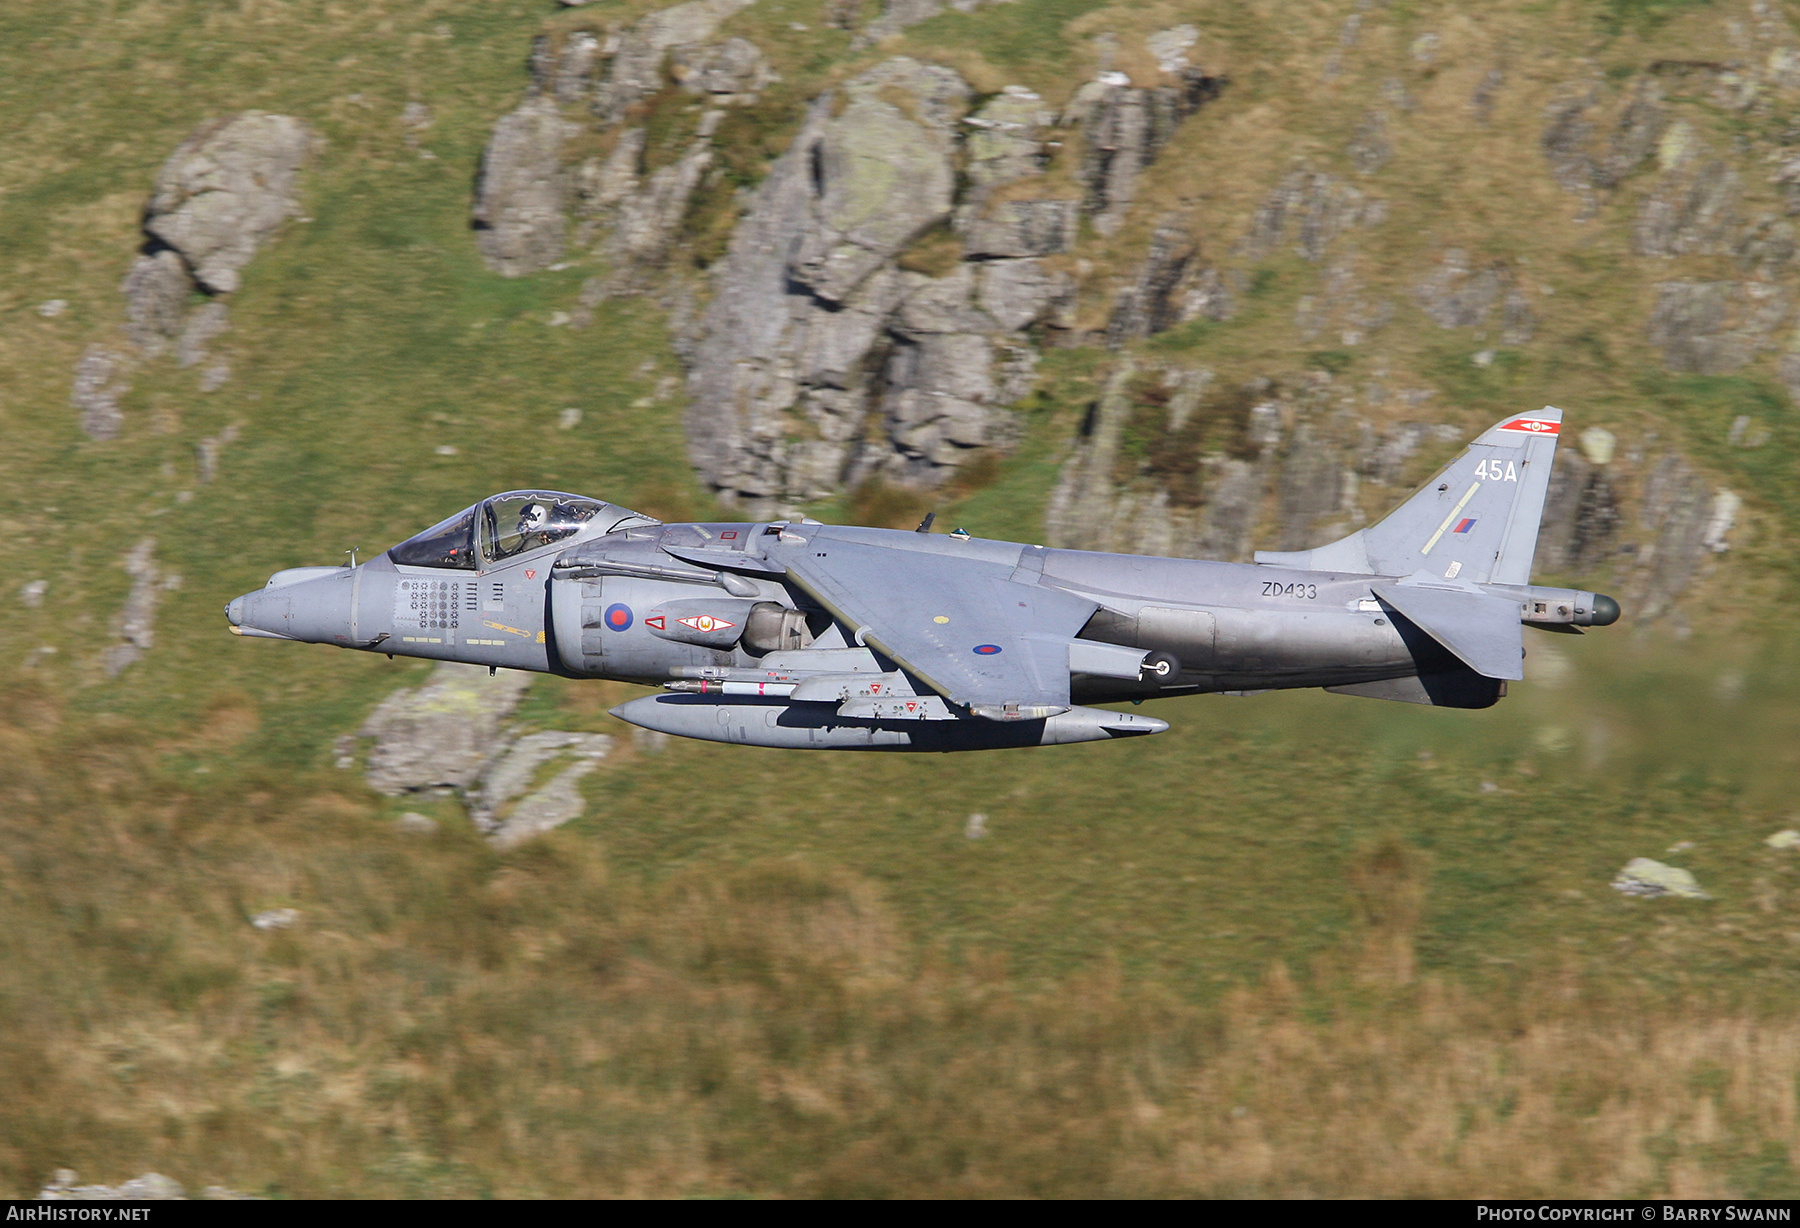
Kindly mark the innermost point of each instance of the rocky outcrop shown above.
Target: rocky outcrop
(1310, 208)
(1585, 153)
(822, 361)
(1714, 327)
(1458, 294)
(506, 806)
(135, 624)
(454, 734)
(522, 191)
(1170, 463)
(1123, 128)
(533, 208)
(224, 192)
(442, 734)
(218, 199)
(101, 378)
(634, 70)
(819, 361)
(1153, 301)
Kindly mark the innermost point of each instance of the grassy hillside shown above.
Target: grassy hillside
(1301, 944)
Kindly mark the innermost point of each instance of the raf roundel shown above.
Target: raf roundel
(986, 650)
(618, 616)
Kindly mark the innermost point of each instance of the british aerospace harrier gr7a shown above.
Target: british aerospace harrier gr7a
(812, 636)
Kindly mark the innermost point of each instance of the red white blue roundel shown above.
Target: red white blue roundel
(618, 616)
(986, 650)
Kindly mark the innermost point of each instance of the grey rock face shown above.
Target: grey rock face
(100, 380)
(884, 176)
(636, 69)
(1714, 327)
(206, 322)
(1311, 208)
(135, 624)
(581, 55)
(1456, 295)
(503, 803)
(646, 219)
(221, 194)
(1124, 128)
(730, 68)
(1692, 209)
(156, 294)
(442, 734)
(818, 361)
(1153, 301)
(1004, 142)
(1023, 228)
(522, 193)
(225, 190)
(1017, 293)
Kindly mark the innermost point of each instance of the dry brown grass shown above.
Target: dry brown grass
(449, 1021)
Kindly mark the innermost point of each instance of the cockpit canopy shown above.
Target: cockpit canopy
(508, 525)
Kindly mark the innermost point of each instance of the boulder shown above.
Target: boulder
(505, 806)
(522, 192)
(885, 174)
(225, 190)
(441, 734)
(1652, 879)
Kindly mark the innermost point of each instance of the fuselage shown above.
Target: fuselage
(616, 603)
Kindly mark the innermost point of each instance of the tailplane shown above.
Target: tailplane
(1475, 522)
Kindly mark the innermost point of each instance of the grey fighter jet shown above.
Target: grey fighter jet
(805, 635)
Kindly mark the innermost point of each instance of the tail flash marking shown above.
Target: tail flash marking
(1535, 426)
(1451, 518)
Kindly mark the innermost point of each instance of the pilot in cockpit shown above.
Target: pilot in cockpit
(534, 524)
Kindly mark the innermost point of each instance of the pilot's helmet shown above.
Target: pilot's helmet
(532, 516)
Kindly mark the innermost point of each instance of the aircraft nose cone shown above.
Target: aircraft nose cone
(234, 611)
(1606, 610)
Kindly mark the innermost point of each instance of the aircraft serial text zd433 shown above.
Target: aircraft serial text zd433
(814, 636)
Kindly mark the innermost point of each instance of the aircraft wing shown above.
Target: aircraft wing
(959, 625)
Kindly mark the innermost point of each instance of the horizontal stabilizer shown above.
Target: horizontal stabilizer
(1483, 632)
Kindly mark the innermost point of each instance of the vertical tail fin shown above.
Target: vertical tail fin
(1476, 521)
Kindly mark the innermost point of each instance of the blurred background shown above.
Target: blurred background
(289, 278)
